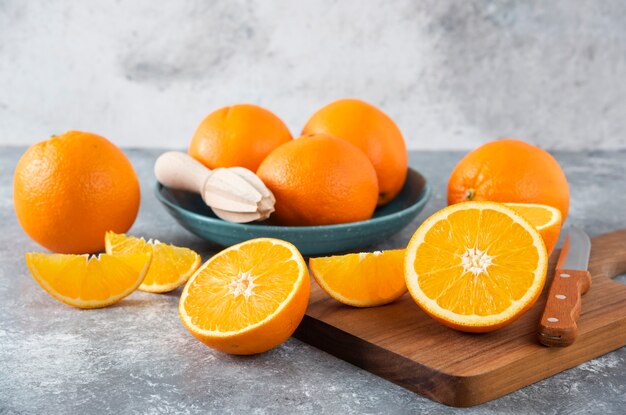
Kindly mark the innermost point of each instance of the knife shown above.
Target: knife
(557, 326)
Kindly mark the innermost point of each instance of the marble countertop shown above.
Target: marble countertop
(136, 356)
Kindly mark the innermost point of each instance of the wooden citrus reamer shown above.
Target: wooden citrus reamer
(235, 194)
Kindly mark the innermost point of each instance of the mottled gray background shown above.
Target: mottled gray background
(452, 74)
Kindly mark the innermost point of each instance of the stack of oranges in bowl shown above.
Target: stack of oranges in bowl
(350, 158)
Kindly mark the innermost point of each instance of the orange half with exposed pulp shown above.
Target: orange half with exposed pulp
(475, 266)
(247, 298)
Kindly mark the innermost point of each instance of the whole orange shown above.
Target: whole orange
(241, 135)
(320, 180)
(510, 171)
(69, 190)
(370, 129)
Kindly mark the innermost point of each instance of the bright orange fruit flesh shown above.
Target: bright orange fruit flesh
(88, 282)
(475, 266)
(171, 266)
(248, 298)
(546, 219)
(365, 279)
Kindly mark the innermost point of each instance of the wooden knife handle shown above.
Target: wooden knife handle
(557, 326)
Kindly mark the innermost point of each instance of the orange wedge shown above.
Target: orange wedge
(546, 219)
(88, 282)
(248, 298)
(171, 265)
(366, 279)
(475, 266)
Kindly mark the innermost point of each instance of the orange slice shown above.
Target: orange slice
(171, 265)
(366, 279)
(475, 266)
(248, 298)
(546, 219)
(88, 282)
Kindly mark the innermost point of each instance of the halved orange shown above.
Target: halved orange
(546, 219)
(247, 298)
(171, 265)
(88, 282)
(475, 266)
(365, 279)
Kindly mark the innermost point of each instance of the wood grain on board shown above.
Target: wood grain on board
(399, 342)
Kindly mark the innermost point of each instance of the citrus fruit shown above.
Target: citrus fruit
(237, 136)
(372, 131)
(546, 219)
(88, 282)
(510, 171)
(247, 298)
(70, 189)
(171, 266)
(475, 266)
(320, 180)
(365, 279)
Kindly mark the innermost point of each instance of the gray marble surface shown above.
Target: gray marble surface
(136, 357)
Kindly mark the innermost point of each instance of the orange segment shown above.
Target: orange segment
(88, 282)
(546, 219)
(171, 265)
(475, 266)
(366, 279)
(248, 298)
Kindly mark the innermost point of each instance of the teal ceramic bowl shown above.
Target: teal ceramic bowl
(191, 212)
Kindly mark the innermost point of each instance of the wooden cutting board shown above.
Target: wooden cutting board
(400, 343)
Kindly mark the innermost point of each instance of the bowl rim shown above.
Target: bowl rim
(422, 199)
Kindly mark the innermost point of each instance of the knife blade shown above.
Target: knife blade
(558, 325)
